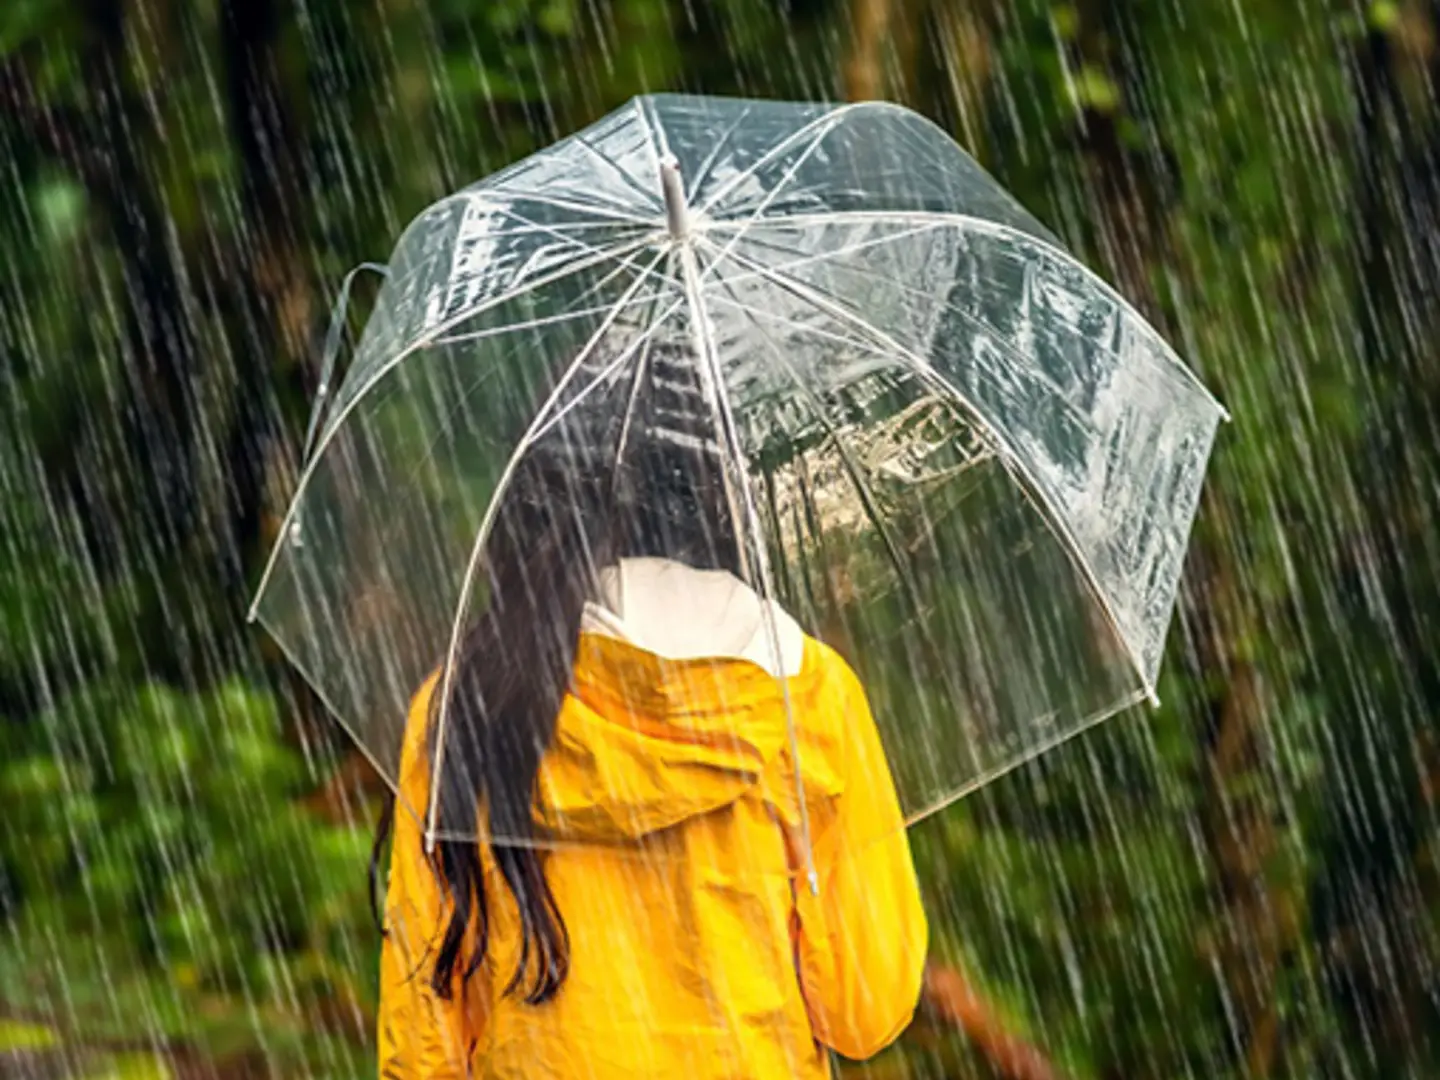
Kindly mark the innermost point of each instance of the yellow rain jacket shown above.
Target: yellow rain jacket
(703, 955)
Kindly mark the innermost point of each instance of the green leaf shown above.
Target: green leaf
(1093, 88)
(130, 1067)
(1065, 21)
(18, 1035)
(60, 205)
(557, 18)
(1384, 16)
(23, 20)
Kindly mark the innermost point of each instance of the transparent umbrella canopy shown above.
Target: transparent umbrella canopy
(956, 455)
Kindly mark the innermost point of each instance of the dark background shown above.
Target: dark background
(1243, 884)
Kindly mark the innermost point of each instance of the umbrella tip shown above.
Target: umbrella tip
(673, 188)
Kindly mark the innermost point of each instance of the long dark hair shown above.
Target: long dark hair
(570, 510)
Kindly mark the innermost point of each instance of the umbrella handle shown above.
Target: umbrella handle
(332, 350)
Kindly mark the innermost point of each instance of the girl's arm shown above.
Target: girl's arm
(862, 942)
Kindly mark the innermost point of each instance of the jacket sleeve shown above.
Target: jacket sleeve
(421, 1036)
(861, 943)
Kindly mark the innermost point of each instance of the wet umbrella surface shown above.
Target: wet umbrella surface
(948, 447)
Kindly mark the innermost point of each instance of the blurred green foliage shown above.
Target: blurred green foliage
(157, 864)
(1242, 884)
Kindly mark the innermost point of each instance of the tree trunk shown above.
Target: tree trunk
(129, 471)
(275, 315)
(948, 998)
(864, 74)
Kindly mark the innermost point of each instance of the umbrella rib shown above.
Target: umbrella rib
(807, 258)
(620, 217)
(464, 197)
(624, 175)
(830, 118)
(536, 256)
(852, 468)
(486, 375)
(700, 319)
(982, 225)
(882, 217)
(770, 197)
(811, 296)
(702, 171)
(529, 324)
(654, 133)
(488, 189)
(483, 534)
(609, 369)
(819, 332)
(536, 226)
(937, 218)
(560, 227)
(634, 397)
(1037, 497)
(463, 396)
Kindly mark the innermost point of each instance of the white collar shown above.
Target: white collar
(679, 612)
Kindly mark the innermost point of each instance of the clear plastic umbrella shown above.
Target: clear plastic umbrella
(954, 453)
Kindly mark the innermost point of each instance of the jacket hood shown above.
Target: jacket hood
(645, 742)
(676, 708)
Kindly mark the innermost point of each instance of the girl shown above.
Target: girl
(640, 904)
